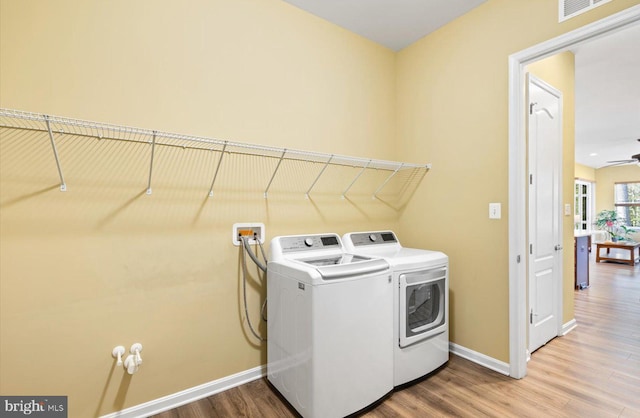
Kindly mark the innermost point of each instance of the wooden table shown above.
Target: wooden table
(629, 246)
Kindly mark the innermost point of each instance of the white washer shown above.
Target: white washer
(421, 302)
(330, 326)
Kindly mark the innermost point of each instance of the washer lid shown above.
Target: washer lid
(335, 259)
(340, 266)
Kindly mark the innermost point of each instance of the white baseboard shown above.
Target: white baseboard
(193, 394)
(211, 388)
(479, 358)
(190, 395)
(568, 327)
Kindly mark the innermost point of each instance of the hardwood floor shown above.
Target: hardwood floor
(594, 371)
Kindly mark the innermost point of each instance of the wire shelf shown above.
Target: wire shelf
(16, 119)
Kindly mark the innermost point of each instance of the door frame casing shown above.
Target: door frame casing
(518, 171)
(558, 263)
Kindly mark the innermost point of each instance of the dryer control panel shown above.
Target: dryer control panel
(373, 238)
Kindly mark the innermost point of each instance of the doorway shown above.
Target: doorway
(518, 246)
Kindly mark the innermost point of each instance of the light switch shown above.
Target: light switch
(567, 209)
(495, 211)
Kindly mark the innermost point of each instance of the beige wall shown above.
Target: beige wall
(104, 264)
(453, 111)
(583, 172)
(253, 71)
(559, 71)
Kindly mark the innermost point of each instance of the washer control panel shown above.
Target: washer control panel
(373, 238)
(310, 242)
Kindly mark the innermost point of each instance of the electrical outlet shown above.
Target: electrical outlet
(254, 231)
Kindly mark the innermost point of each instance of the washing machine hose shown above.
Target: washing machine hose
(247, 248)
(245, 244)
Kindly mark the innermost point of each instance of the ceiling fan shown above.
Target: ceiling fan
(634, 159)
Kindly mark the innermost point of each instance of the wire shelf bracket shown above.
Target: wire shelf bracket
(266, 191)
(344, 194)
(153, 149)
(375, 194)
(306, 195)
(63, 184)
(215, 175)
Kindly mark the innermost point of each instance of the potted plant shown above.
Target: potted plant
(608, 221)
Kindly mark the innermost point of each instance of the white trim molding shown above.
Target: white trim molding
(190, 395)
(517, 170)
(568, 327)
(193, 394)
(479, 358)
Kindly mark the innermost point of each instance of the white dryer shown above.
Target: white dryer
(330, 326)
(421, 302)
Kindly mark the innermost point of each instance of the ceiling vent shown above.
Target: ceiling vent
(572, 8)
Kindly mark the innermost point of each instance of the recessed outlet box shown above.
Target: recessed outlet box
(253, 231)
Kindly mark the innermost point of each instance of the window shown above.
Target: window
(627, 203)
(582, 205)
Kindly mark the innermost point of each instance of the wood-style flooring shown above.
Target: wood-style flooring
(594, 371)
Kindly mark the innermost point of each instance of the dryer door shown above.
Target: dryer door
(422, 305)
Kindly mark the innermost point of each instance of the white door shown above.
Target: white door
(545, 212)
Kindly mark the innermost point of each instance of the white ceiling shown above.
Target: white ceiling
(608, 98)
(392, 23)
(607, 82)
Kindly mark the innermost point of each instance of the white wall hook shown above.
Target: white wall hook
(117, 352)
(130, 364)
(135, 350)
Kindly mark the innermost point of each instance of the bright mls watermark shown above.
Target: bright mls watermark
(33, 406)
